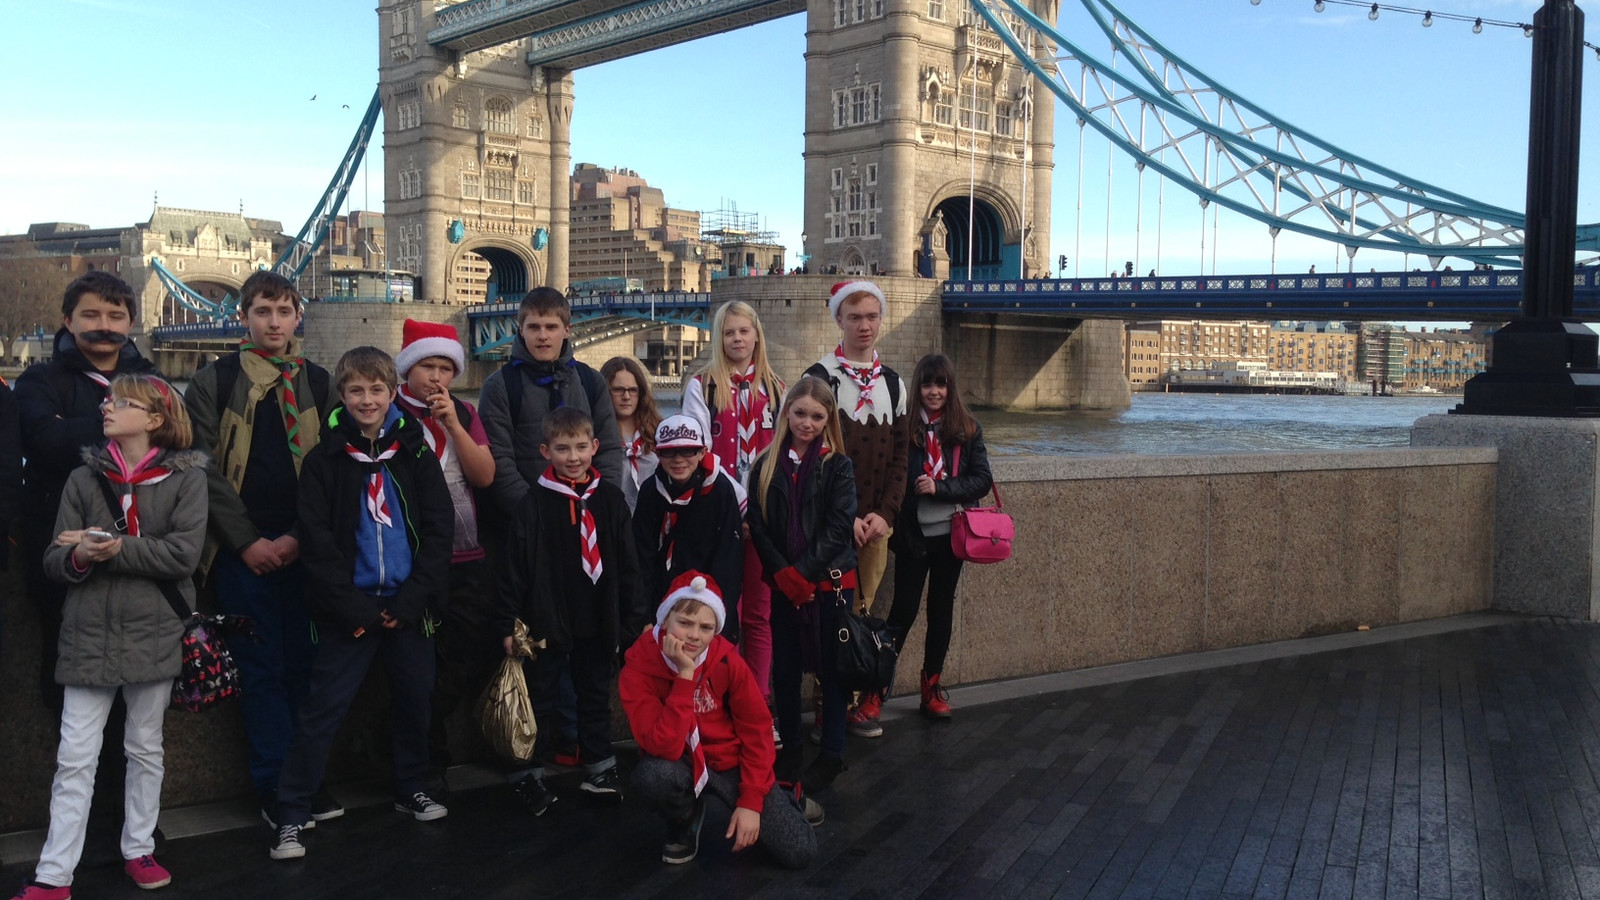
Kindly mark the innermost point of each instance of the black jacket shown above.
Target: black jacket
(10, 469)
(706, 538)
(827, 517)
(332, 497)
(541, 568)
(970, 481)
(58, 409)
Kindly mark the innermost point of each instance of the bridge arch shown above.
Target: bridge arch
(988, 244)
(492, 269)
(212, 286)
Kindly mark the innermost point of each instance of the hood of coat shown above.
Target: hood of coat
(397, 425)
(521, 356)
(129, 359)
(646, 656)
(176, 460)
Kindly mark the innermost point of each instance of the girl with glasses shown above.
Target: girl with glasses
(637, 418)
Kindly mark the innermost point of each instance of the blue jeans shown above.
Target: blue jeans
(275, 672)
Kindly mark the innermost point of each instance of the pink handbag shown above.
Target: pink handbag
(982, 534)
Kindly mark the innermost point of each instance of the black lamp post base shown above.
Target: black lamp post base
(1542, 367)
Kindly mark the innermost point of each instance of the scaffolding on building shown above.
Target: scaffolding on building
(727, 225)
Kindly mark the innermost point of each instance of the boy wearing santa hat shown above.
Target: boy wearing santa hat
(466, 645)
(704, 730)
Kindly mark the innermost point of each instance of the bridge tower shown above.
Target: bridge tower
(476, 160)
(909, 104)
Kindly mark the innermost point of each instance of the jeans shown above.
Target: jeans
(755, 620)
(83, 718)
(275, 672)
(341, 667)
(666, 785)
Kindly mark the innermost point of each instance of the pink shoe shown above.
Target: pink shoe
(147, 873)
(36, 891)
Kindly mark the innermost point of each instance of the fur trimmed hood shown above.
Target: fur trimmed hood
(176, 460)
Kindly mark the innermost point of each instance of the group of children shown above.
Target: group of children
(710, 552)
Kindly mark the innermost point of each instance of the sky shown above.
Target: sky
(207, 105)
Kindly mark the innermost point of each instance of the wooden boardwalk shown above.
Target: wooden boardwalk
(1456, 765)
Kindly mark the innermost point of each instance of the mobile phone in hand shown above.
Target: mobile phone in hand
(96, 536)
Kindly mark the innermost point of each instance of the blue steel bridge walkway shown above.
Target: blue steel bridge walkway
(1455, 758)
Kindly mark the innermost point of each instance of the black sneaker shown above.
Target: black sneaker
(821, 773)
(683, 840)
(605, 784)
(288, 846)
(324, 807)
(533, 794)
(421, 807)
(269, 814)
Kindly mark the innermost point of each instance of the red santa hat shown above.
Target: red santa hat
(420, 340)
(693, 585)
(847, 289)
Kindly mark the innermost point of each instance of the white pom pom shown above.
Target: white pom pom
(698, 583)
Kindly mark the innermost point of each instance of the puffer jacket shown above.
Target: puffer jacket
(827, 517)
(117, 627)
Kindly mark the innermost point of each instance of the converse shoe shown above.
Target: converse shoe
(871, 705)
(684, 840)
(324, 806)
(777, 736)
(605, 784)
(147, 873)
(421, 807)
(533, 794)
(289, 846)
(860, 725)
(33, 890)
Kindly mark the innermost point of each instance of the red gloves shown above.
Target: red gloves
(794, 585)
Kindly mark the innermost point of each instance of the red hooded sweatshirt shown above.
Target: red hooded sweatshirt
(723, 698)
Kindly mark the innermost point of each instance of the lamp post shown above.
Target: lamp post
(1547, 363)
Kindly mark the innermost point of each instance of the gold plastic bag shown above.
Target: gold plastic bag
(505, 710)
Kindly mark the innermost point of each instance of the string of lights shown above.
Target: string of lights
(1429, 16)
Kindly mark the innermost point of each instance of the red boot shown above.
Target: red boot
(935, 702)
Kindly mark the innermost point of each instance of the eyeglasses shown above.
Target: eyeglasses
(624, 392)
(678, 452)
(123, 403)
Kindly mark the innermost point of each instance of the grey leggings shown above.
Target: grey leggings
(666, 785)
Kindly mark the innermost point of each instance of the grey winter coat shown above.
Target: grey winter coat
(116, 627)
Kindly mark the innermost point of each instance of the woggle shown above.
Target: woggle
(102, 337)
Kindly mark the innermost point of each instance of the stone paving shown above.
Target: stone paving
(1457, 764)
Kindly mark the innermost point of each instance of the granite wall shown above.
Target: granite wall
(1117, 558)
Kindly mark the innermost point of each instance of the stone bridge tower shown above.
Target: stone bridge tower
(910, 106)
(477, 158)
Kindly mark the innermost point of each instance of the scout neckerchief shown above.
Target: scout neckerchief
(933, 464)
(700, 483)
(287, 369)
(130, 477)
(377, 503)
(744, 405)
(588, 534)
(432, 431)
(634, 449)
(864, 377)
(697, 755)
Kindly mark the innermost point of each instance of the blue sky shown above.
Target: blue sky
(207, 104)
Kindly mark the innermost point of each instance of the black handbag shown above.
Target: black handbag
(866, 654)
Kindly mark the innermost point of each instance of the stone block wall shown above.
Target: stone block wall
(333, 328)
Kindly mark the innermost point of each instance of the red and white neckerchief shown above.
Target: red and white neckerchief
(98, 378)
(744, 405)
(377, 503)
(697, 756)
(634, 448)
(588, 534)
(864, 377)
(675, 505)
(131, 477)
(933, 465)
(432, 432)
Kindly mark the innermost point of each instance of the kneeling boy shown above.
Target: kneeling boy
(375, 533)
(703, 726)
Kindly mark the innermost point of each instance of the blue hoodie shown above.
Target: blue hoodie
(383, 552)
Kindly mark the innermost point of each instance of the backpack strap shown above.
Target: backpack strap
(514, 389)
(169, 587)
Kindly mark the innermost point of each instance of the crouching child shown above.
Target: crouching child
(703, 728)
(376, 527)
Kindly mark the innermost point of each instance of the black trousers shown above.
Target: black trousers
(467, 651)
(592, 663)
(940, 570)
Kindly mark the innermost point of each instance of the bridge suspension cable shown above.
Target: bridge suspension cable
(304, 247)
(1249, 158)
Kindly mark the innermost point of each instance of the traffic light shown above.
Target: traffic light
(1061, 262)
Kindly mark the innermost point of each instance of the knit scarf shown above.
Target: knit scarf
(377, 503)
(432, 432)
(697, 756)
(127, 478)
(700, 483)
(744, 405)
(864, 377)
(588, 534)
(933, 464)
(287, 370)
